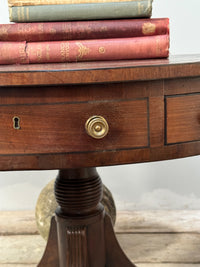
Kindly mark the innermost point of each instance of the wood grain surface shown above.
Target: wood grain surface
(60, 127)
(152, 108)
(183, 118)
(98, 72)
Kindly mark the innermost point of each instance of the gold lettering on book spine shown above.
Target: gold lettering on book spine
(53, 31)
(47, 52)
(27, 13)
(39, 52)
(18, 14)
(4, 32)
(22, 14)
(102, 50)
(40, 27)
(20, 28)
(66, 31)
(64, 51)
(138, 5)
(158, 47)
(104, 29)
(83, 50)
(140, 8)
(148, 28)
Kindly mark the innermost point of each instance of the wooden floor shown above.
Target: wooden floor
(149, 238)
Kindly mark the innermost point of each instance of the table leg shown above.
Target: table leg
(81, 234)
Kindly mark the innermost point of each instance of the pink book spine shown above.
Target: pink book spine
(13, 53)
(102, 49)
(85, 50)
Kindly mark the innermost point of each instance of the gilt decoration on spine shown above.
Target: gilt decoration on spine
(85, 50)
(82, 30)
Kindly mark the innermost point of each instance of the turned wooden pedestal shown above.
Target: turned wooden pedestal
(75, 117)
(81, 233)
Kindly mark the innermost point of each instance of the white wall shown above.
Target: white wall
(171, 184)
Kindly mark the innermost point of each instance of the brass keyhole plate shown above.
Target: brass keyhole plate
(16, 122)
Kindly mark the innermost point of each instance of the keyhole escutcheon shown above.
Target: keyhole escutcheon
(16, 123)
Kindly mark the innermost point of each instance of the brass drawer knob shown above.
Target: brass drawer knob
(96, 127)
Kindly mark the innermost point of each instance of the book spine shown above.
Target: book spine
(82, 30)
(57, 2)
(90, 50)
(13, 53)
(94, 11)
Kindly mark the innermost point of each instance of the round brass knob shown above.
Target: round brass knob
(96, 127)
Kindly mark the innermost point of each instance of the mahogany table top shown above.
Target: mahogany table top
(152, 108)
(98, 72)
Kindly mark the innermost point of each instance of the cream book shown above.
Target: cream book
(60, 2)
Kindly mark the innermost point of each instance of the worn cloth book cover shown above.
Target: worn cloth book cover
(84, 50)
(88, 11)
(74, 30)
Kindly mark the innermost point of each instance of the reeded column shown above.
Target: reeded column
(80, 218)
(82, 235)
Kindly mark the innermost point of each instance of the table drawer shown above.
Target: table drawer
(182, 118)
(60, 127)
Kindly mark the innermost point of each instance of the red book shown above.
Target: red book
(13, 53)
(83, 30)
(85, 50)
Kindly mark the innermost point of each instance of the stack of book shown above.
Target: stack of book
(49, 31)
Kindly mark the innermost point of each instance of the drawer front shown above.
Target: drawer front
(60, 127)
(182, 118)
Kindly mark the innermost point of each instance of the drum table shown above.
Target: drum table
(78, 116)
